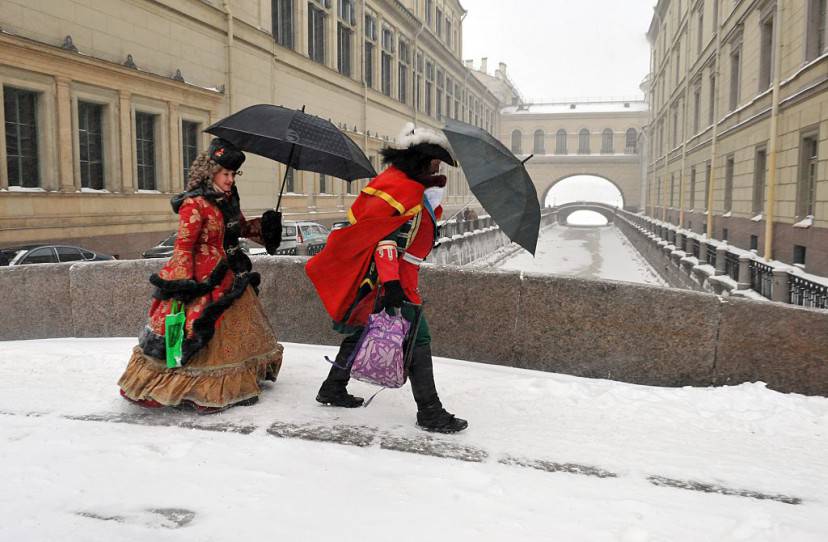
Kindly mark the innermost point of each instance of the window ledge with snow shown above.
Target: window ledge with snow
(26, 189)
(806, 223)
(758, 218)
(141, 191)
(727, 214)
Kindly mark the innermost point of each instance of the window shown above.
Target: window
(387, 60)
(189, 146)
(678, 65)
(631, 141)
(799, 255)
(715, 20)
(807, 176)
(20, 107)
(290, 182)
(316, 33)
(700, 30)
(69, 254)
(606, 142)
(439, 23)
(735, 76)
(815, 38)
(282, 22)
(696, 108)
(759, 167)
(672, 191)
(708, 172)
(345, 36)
(766, 54)
(728, 187)
(370, 44)
(674, 139)
(449, 96)
(404, 60)
(691, 200)
(429, 86)
(583, 141)
(540, 145)
(711, 113)
(418, 79)
(725, 234)
(517, 146)
(560, 142)
(145, 150)
(90, 145)
(429, 9)
(448, 34)
(323, 183)
(40, 255)
(754, 242)
(441, 81)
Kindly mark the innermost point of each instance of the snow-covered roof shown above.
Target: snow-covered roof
(559, 108)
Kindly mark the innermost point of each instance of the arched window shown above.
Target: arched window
(583, 141)
(560, 142)
(630, 147)
(517, 148)
(540, 146)
(606, 142)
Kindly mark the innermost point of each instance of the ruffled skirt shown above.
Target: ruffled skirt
(242, 353)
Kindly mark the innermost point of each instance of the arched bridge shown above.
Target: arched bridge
(562, 212)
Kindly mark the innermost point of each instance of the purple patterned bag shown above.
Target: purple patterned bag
(379, 357)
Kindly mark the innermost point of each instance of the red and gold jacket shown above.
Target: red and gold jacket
(392, 231)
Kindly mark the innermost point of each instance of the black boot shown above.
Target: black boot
(334, 389)
(431, 416)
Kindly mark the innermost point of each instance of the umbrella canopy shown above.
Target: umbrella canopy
(499, 181)
(295, 138)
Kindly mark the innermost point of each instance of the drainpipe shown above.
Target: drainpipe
(777, 69)
(715, 138)
(364, 86)
(228, 89)
(414, 73)
(684, 124)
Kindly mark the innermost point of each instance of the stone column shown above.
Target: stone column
(125, 129)
(744, 273)
(66, 160)
(721, 260)
(781, 287)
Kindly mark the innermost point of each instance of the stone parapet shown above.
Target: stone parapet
(600, 329)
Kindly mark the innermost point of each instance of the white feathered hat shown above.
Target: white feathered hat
(425, 141)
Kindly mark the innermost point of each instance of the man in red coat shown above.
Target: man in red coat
(375, 263)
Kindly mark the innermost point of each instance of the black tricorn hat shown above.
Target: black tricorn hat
(225, 154)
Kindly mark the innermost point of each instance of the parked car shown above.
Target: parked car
(32, 254)
(308, 235)
(164, 249)
(340, 225)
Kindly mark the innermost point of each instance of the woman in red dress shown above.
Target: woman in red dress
(229, 346)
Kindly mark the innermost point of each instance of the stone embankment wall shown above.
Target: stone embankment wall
(628, 332)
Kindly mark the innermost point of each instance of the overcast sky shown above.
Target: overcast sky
(562, 48)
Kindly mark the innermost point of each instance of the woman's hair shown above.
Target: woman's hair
(202, 170)
(412, 163)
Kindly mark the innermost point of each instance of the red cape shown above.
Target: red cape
(337, 271)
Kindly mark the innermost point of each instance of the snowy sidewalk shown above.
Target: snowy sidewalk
(606, 461)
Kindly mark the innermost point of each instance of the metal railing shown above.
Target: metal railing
(694, 247)
(711, 255)
(732, 266)
(806, 293)
(761, 279)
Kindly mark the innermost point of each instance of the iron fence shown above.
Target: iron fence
(761, 279)
(806, 293)
(694, 247)
(732, 266)
(711, 255)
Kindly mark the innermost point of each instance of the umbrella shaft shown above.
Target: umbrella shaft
(284, 179)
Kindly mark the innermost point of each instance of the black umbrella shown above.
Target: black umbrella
(294, 138)
(499, 181)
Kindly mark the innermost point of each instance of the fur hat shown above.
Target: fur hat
(225, 154)
(425, 141)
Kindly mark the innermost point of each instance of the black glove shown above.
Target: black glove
(393, 295)
(272, 230)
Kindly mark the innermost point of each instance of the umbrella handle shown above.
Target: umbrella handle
(284, 179)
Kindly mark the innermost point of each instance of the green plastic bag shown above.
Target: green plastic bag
(174, 333)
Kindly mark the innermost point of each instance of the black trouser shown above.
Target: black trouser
(420, 373)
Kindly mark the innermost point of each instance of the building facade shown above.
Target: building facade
(599, 137)
(105, 102)
(730, 156)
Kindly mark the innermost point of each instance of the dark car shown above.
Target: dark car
(32, 254)
(164, 249)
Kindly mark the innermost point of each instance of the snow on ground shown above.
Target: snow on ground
(72, 471)
(593, 253)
